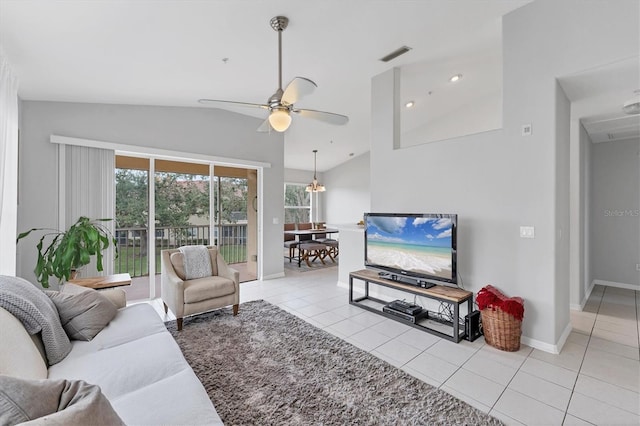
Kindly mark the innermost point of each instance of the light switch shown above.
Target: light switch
(527, 232)
(276, 221)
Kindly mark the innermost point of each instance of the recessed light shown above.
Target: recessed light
(455, 78)
(409, 104)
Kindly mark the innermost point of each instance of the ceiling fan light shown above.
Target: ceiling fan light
(279, 120)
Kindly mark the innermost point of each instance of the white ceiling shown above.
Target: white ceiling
(597, 96)
(170, 52)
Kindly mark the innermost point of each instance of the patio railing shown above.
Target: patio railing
(133, 251)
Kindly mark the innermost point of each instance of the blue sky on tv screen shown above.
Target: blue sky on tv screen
(424, 231)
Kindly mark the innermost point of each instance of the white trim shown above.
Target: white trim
(260, 223)
(273, 276)
(615, 284)
(136, 150)
(151, 228)
(546, 347)
(580, 307)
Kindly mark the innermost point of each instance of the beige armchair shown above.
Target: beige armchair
(196, 296)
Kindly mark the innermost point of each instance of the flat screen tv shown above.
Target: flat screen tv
(419, 246)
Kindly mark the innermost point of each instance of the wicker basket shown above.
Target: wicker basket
(501, 330)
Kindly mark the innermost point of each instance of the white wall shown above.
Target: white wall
(194, 130)
(562, 285)
(615, 212)
(579, 249)
(497, 181)
(348, 193)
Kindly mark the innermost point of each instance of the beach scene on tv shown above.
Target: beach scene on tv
(413, 244)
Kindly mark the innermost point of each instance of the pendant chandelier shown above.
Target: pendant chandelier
(315, 186)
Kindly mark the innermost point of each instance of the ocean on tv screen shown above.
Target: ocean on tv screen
(413, 244)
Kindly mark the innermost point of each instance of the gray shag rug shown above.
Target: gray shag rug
(268, 367)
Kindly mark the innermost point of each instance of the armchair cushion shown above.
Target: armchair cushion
(177, 260)
(207, 288)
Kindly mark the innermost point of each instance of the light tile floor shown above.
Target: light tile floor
(594, 380)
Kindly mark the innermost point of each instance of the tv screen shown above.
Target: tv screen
(421, 246)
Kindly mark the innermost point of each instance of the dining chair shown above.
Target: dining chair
(290, 241)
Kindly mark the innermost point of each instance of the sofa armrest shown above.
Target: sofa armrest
(117, 296)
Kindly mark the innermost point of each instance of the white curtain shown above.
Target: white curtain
(8, 166)
(89, 190)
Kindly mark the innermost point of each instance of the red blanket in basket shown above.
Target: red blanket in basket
(490, 296)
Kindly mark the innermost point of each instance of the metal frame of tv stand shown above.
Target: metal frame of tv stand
(450, 295)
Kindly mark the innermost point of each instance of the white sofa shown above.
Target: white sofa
(134, 360)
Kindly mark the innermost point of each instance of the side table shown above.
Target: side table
(107, 281)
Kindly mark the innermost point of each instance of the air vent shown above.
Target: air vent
(395, 54)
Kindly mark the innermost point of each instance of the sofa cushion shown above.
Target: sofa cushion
(177, 261)
(124, 368)
(53, 402)
(175, 400)
(207, 288)
(84, 314)
(19, 355)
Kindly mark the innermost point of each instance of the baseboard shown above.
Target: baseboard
(547, 347)
(273, 276)
(584, 301)
(618, 285)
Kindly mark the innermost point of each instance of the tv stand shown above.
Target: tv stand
(405, 279)
(450, 330)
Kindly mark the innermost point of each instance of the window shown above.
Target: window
(297, 203)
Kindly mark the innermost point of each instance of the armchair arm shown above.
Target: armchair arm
(172, 286)
(225, 271)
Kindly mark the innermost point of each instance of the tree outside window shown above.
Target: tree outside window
(297, 203)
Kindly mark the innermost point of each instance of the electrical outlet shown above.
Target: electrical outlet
(638, 267)
(527, 232)
(527, 129)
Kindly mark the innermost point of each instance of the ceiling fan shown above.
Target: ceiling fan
(281, 104)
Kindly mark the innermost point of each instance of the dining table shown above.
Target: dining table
(317, 231)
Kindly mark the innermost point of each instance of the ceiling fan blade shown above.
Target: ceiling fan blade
(232, 103)
(327, 117)
(296, 89)
(264, 127)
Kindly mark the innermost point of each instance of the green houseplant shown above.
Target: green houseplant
(72, 249)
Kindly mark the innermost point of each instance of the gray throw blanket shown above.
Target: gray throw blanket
(37, 313)
(197, 262)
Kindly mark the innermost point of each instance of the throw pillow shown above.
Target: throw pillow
(177, 261)
(83, 314)
(54, 402)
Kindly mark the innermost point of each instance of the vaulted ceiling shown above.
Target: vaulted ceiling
(174, 52)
